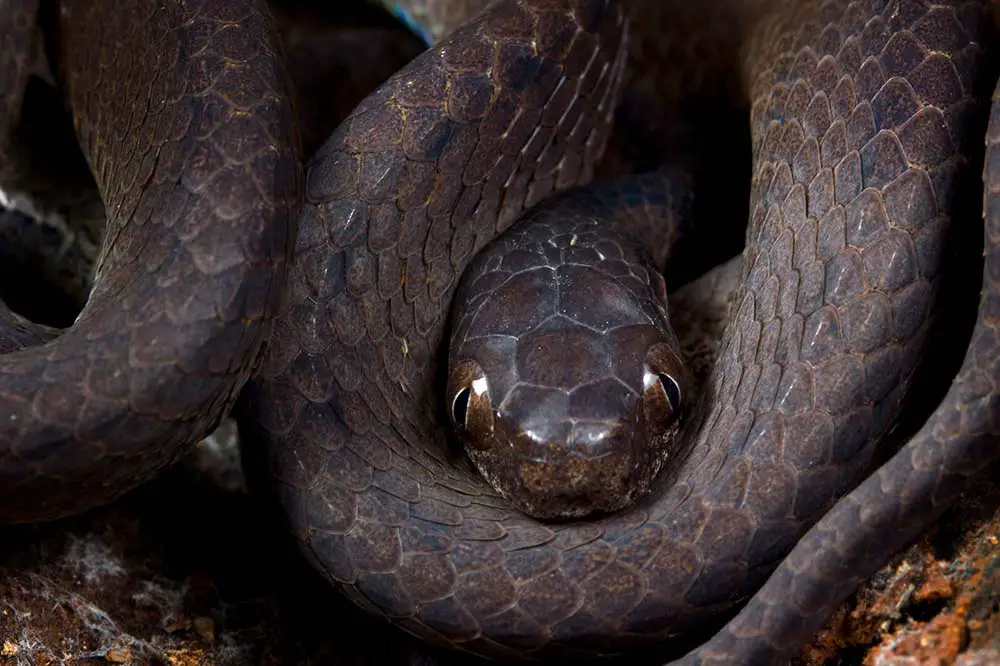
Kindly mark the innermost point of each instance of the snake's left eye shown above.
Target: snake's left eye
(662, 382)
(671, 390)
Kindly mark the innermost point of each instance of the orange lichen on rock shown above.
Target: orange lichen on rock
(932, 604)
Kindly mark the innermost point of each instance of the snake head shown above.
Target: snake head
(566, 385)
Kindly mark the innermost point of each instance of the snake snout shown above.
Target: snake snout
(584, 467)
(570, 451)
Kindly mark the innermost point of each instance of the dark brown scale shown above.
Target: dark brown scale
(183, 114)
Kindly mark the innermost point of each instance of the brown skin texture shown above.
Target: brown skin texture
(196, 156)
(192, 546)
(397, 507)
(831, 322)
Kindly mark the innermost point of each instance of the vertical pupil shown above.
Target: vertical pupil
(672, 390)
(460, 406)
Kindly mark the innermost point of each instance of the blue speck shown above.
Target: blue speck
(412, 24)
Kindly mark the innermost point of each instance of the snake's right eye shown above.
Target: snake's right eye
(470, 408)
(460, 407)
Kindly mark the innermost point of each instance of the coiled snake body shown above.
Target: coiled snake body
(861, 116)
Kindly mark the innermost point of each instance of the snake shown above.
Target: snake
(310, 298)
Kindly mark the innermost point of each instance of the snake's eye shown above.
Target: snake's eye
(460, 407)
(662, 380)
(671, 390)
(470, 407)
